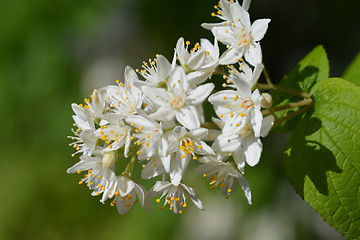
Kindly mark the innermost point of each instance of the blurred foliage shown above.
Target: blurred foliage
(45, 47)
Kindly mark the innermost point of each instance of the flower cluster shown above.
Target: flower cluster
(155, 116)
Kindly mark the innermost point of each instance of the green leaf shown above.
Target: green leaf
(352, 73)
(322, 156)
(313, 68)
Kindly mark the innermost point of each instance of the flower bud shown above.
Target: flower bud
(109, 159)
(266, 101)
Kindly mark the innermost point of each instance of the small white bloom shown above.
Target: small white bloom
(223, 12)
(211, 61)
(115, 134)
(237, 108)
(243, 144)
(184, 145)
(148, 132)
(178, 101)
(240, 36)
(175, 195)
(223, 174)
(153, 168)
(100, 176)
(156, 72)
(85, 118)
(247, 74)
(127, 193)
(192, 60)
(125, 99)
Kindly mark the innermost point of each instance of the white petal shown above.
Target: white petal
(243, 87)
(246, 188)
(163, 67)
(240, 159)
(209, 26)
(259, 28)
(227, 144)
(196, 60)
(222, 96)
(180, 49)
(178, 82)
(82, 166)
(267, 124)
(246, 4)
(140, 192)
(165, 158)
(230, 127)
(188, 117)
(252, 150)
(150, 171)
(198, 133)
(239, 12)
(125, 185)
(231, 56)
(179, 132)
(161, 185)
(204, 150)
(254, 54)
(138, 121)
(199, 94)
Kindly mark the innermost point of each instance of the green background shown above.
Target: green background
(53, 53)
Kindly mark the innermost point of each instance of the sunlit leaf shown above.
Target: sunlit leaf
(322, 156)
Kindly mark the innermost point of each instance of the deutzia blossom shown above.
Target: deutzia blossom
(243, 144)
(205, 63)
(223, 174)
(237, 108)
(184, 145)
(127, 193)
(115, 134)
(156, 72)
(192, 60)
(175, 195)
(84, 119)
(178, 101)
(148, 132)
(241, 37)
(224, 13)
(153, 168)
(125, 98)
(100, 172)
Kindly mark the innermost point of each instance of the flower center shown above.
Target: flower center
(187, 146)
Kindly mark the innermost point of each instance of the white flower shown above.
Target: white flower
(243, 144)
(208, 65)
(85, 118)
(156, 72)
(223, 174)
(192, 60)
(127, 193)
(153, 168)
(224, 13)
(237, 108)
(84, 139)
(247, 74)
(149, 134)
(184, 145)
(115, 134)
(176, 195)
(241, 37)
(100, 176)
(125, 99)
(178, 101)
